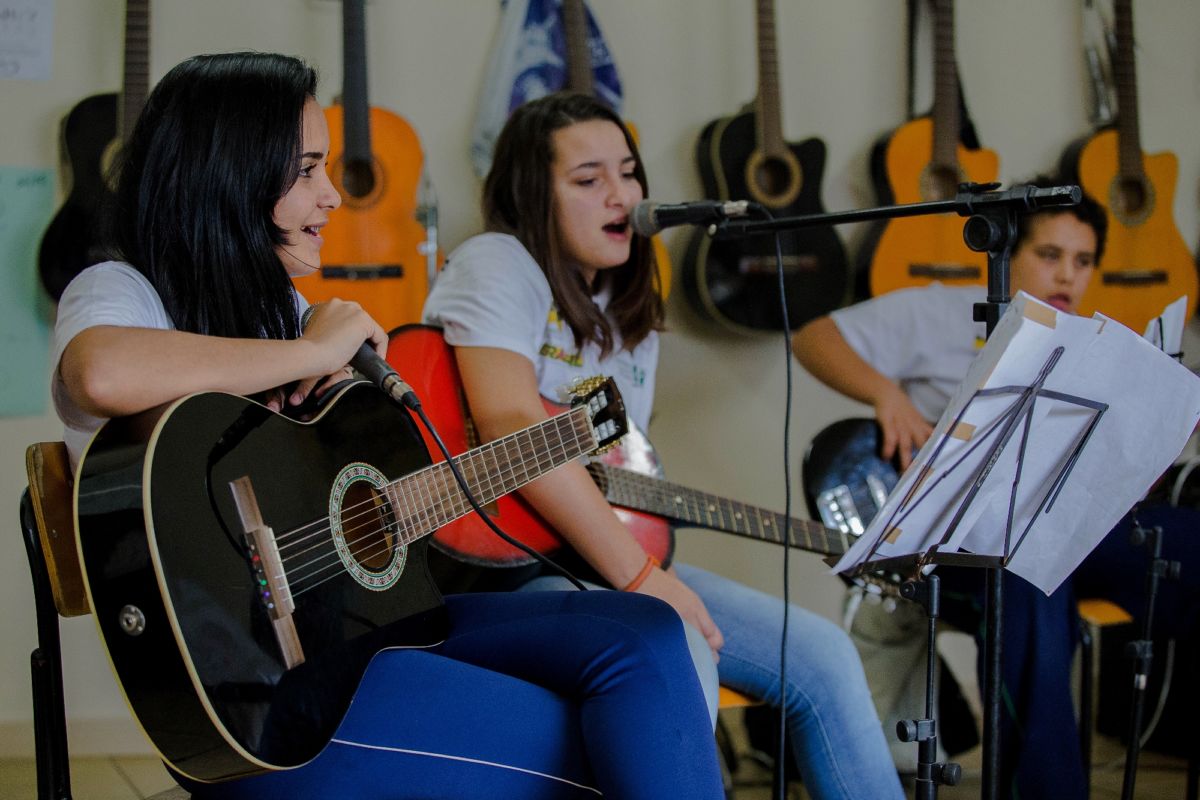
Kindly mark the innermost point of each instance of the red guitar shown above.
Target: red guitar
(629, 475)
(374, 245)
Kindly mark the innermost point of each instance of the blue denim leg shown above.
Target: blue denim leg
(832, 725)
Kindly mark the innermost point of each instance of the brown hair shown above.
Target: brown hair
(518, 199)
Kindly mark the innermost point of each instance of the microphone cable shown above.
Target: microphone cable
(413, 403)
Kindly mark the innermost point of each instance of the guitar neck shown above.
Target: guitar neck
(579, 57)
(768, 108)
(946, 120)
(639, 492)
(136, 85)
(431, 498)
(354, 83)
(1129, 141)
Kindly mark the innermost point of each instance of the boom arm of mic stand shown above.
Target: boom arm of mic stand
(972, 199)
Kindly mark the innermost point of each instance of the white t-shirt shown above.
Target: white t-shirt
(923, 338)
(111, 293)
(493, 294)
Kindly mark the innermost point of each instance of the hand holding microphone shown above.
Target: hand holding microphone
(337, 321)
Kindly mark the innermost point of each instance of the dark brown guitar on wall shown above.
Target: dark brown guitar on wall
(91, 137)
(745, 157)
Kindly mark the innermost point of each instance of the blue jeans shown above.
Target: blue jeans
(832, 725)
(532, 695)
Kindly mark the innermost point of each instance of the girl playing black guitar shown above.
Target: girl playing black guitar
(222, 197)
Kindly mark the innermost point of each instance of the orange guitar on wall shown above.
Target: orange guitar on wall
(1146, 263)
(923, 160)
(373, 250)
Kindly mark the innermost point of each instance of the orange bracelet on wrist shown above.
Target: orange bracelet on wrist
(651, 563)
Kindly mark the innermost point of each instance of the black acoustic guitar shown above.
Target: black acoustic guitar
(91, 137)
(243, 566)
(745, 157)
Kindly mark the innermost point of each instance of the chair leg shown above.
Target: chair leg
(49, 710)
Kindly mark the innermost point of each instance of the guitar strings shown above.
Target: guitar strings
(431, 501)
(732, 514)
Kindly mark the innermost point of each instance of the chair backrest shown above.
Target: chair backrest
(51, 494)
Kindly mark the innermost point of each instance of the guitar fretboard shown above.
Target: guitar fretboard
(137, 63)
(769, 107)
(945, 89)
(1129, 140)
(428, 499)
(633, 490)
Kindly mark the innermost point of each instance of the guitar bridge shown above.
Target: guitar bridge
(363, 272)
(958, 272)
(266, 565)
(1134, 277)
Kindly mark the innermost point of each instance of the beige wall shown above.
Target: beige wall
(720, 402)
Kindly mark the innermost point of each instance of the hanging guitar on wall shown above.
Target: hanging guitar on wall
(1146, 264)
(91, 137)
(581, 79)
(923, 160)
(745, 157)
(373, 250)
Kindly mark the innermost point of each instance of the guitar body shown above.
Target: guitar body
(735, 282)
(174, 596)
(372, 244)
(88, 132)
(915, 251)
(845, 481)
(421, 355)
(1146, 262)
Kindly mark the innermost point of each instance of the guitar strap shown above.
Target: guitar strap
(966, 132)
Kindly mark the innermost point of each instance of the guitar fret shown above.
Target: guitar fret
(1129, 145)
(945, 98)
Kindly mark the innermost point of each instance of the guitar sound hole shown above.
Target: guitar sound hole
(1132, 195)
(367, 526)
(774, 176)
(359, 178)
(943, 183)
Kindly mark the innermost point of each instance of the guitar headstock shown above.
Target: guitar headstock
(605, 409)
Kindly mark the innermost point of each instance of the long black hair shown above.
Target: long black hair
(216, 146)
(518, 198)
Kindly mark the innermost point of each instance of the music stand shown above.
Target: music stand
(978, 459)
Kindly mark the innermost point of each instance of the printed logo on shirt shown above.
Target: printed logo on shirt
(559, 354)
(553, 320)
(980, 342)
(637, 375)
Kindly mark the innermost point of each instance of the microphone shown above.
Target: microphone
(367, 363)
(649, 218)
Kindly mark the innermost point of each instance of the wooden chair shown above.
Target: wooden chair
(47, 522)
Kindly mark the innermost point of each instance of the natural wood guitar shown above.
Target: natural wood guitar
(920, 161)
(745, 157)
(91, 136)
(1146, 263)
(628, 474)
(373, 243)
(233, 557)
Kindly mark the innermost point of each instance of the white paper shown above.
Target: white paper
(26, 38)
(1166, 330)
(1153, 406)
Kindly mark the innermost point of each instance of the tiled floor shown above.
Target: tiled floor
(1158, 777)
(134, 778)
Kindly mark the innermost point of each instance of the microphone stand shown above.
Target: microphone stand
(991, 227)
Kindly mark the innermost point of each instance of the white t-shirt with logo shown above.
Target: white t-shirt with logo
(492, 293)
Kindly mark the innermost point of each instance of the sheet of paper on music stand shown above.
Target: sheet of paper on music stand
(1154, 404)
(1166, 330)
